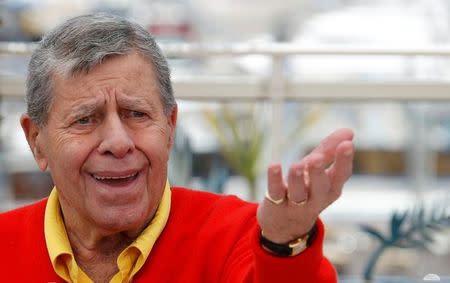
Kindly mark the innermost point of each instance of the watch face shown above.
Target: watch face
(299, 245)
(298, 248)
(293, 248)
(299, 242)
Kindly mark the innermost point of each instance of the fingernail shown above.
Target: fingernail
(299, 172)
(318, 165)
(348, 152)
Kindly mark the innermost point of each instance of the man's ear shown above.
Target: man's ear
(33, 134)
(172, 121)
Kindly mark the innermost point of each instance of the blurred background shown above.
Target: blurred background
(264, 81)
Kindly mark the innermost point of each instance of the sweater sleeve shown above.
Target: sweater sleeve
(259, 266)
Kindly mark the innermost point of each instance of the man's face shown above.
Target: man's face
(107, 144)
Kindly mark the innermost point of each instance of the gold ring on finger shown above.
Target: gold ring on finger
(299, 203)
(274, 201)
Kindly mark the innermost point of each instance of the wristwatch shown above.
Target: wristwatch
(292, 248)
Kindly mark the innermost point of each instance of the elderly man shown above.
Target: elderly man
(101, 118)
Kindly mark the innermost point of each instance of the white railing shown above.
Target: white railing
(270, 49)
(277, 87)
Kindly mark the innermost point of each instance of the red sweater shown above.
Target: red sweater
(208, 238)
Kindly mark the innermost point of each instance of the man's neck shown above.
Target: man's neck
(96, 250)
(97, 257)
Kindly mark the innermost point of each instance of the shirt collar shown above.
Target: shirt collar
(130, 259)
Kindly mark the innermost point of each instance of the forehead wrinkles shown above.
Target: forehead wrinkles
(130, 69)
(128, 76)
(87, 85)
(82, 95)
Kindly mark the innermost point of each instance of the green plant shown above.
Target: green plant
(409, 229)
(243, 136)
(241, 142)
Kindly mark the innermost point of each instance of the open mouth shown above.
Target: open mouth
(116, 180)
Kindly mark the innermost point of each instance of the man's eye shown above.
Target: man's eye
(137, 114)
(84, 120)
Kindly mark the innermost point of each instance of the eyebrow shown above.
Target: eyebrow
(87, 108)
(135, 103)
(82, 110)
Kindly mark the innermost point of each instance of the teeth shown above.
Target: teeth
(114, 177)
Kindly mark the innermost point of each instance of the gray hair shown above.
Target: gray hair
(80, 44)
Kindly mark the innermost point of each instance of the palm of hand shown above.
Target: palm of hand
(312, 185)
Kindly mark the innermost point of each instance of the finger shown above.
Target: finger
(296, 185)
(319, 180)
(327, 146)
(342, 168)
(275, 184)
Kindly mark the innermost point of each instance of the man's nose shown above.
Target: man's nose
(116, 140)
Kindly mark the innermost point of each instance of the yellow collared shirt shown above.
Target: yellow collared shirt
(129, 261)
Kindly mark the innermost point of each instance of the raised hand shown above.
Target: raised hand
(292, 206)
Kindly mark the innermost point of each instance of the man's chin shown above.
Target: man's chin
(123, 221)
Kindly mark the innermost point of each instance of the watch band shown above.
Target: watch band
(292, 248)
